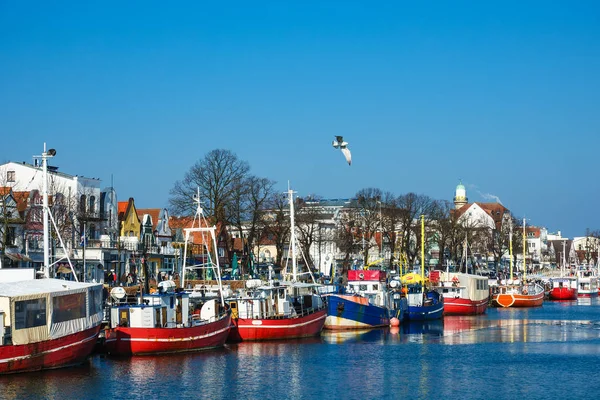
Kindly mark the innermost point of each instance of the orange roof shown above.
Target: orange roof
(21, 199)
(187, 222)
(4, 190)
(122, 206)
(153, 212)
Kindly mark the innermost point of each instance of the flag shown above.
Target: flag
(83, 241)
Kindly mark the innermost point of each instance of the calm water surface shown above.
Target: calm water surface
(547, 352)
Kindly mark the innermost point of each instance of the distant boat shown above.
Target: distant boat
(516, 293)
(563, 287)
(168, 321)
(464, 294)
(367, 303)
(588, 282)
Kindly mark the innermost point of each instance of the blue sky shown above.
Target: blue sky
(501, 95)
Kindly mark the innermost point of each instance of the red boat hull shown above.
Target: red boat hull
(518, 300)
(563, 293)
(458, 306)
(66, 351)
(122, 341)
(276, 329)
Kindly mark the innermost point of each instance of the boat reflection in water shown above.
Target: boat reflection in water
(584, 301)
(361, 335)
(430, 327)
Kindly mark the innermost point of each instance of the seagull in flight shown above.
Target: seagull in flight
(339, 143)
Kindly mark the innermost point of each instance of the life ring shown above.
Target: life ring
(361, 276)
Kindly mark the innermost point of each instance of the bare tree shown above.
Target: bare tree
(218, 176)
(412, 206)
(368, 203)
(446, 229)
(246, 210)
(347, 236)
(308, 217)
(279, 225)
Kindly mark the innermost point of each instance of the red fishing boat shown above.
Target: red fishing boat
(269, 312)
(515, 293)
(518, 295)
(46, 323)
(563, 288)
(167, 320)
(464, 294)
(278, 310)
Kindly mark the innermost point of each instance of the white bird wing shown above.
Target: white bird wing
(347, 154)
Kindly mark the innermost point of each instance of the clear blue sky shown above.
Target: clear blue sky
(503, 95)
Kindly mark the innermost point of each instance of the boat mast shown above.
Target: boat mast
(212, 229)
(45, 156)
(510, 250)
(564, 261)
(422, 248)
(293, 234)
(524, 250)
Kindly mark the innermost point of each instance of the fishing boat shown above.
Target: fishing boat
(424, 303)
(563, 287)
(168, 320)
(46, 323)
(588, 282)
(515, 293)
(367, 302)
(464, 294)
(278, 310)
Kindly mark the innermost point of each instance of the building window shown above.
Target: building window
(82, 203)
(11, 236)
(92, 204)
(10, 176)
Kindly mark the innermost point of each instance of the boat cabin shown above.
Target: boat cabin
(278, 300)
(165, 308)
(369, 284)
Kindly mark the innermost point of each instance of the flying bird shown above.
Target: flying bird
(339, 143)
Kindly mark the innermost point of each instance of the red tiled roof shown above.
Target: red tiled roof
(122, 207)
(21, 199)
(153, 212)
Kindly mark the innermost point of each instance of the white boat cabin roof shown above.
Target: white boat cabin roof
(40, 286)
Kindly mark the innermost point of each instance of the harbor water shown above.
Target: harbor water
(548, 352)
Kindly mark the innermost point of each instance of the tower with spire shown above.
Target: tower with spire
(460, 196)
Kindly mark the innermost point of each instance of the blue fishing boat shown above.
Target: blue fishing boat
(423, 304)
(367, 303)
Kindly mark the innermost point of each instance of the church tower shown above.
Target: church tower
(460, 196)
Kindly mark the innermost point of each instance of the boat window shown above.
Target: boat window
(172, 302)
(375, 287)
(95, 304)
(30, 313)
(282, 294)
(362, 288)
(66, 308)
